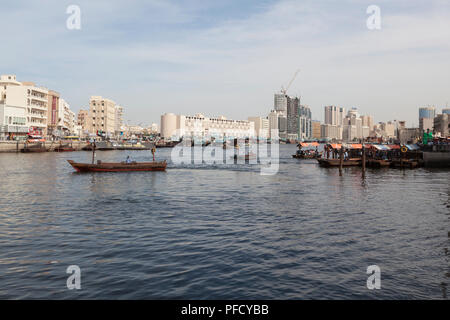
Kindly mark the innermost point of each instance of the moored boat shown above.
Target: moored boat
(118, 166)
(39, 147)
(64, 148)
(378, 163)
(336, 162)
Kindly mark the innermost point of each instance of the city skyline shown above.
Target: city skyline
(216, 59)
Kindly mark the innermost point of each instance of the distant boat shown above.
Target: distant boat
(118, 166)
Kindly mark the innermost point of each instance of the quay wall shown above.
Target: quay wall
(14, 146)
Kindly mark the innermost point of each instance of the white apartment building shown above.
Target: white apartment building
(174, 127)
(261, 126)
(118, 123)
(103, 115)
(334, 115)
(23, 107)
(66, 119)
(331, 131)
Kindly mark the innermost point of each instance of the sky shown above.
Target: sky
(230, 57)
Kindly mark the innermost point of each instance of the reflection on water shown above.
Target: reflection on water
(222, 232)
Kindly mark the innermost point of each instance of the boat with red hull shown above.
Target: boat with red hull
(118, 166)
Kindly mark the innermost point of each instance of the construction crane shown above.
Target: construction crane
(283, 90)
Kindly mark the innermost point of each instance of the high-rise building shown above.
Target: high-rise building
(293, 105)
(281, 103)
(304, 123)
(315, 129)
(103, 115)
(427, 112)
(334, 115)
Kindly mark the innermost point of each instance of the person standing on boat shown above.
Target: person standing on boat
(128, 161)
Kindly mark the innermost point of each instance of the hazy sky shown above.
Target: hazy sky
(229, 57)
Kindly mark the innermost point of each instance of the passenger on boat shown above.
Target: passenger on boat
(128, 161)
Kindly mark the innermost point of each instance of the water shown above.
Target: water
(202, 232)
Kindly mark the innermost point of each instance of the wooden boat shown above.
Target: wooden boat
(118, 166)
(64, 148)
(405, 163)
(352, 162)
(378, 163)
(304, 155)
(39, 147)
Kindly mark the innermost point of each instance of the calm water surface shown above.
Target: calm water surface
(220, 232)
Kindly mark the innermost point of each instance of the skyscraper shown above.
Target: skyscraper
(427, 112)
(280, 103)
(293, 105)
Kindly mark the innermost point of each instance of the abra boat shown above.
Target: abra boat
(336, 162)
(118, 166)
(378, 163)
(39, 147)
(64, 148)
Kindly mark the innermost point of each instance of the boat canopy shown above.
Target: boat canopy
(394, 146)
(412, 147)
(381, 147)
(309, 144)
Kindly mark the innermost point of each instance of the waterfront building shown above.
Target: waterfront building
(103, 115)
(174, 127)
(261, 126)
(441, 125)
(409, 135)
(118, 123)
(446, 111)
(52, 112)
(315, 129)
(64, 125)
(426, 124)
(21, 100)
(83, 120)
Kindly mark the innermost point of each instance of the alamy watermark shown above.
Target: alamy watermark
(374, 20)
(252, 151)
(73, 22)
(74, 280)
(374, 279)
